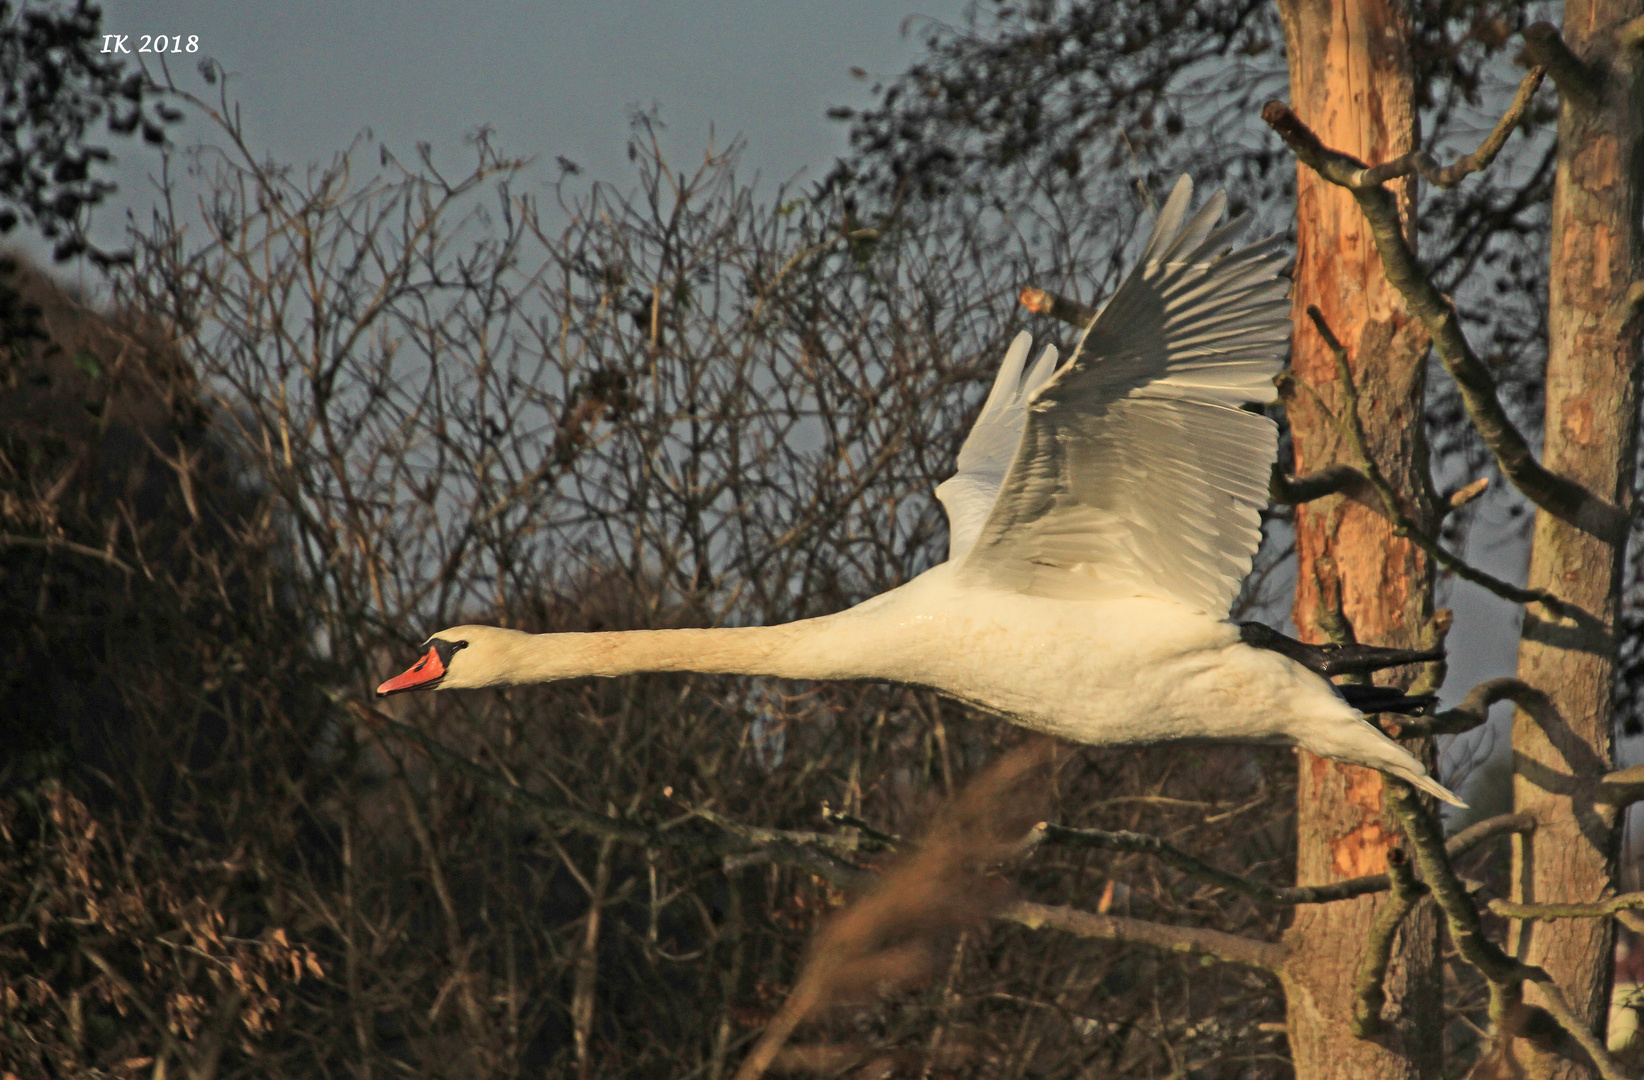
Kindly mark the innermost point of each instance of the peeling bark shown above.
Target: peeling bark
(1562, 751)
(1350, 82)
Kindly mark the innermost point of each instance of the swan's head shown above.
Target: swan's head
(461, 658)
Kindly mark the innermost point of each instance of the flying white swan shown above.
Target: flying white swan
(1102, 517)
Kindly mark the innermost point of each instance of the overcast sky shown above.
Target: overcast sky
(551, 78)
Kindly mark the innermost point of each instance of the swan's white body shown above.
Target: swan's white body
(1102, 518)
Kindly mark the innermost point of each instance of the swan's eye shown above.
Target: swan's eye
(443, 650)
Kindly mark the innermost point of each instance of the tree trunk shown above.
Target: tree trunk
(1592, 370)
(1350, 82)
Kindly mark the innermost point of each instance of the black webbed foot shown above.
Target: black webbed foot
(1333, 659)
(1387, 699)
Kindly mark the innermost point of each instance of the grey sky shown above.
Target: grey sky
(552, 78)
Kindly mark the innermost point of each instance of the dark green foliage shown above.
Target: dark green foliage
(58, 83)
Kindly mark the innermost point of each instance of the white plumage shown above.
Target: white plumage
(1132, 467)
(1102, 517)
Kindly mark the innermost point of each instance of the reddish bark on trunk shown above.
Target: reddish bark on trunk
(1350, 82)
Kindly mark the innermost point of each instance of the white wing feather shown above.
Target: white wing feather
(968, 494)
(1134, 469)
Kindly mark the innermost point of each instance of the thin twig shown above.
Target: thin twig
(875, 837)
(823, 854)
(1188, 864)
(800, 256)
(1465, 494)
(53, 543)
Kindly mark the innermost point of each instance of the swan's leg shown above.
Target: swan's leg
(1333, 659)
(1385, 699)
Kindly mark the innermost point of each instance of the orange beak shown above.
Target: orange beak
(424, 673)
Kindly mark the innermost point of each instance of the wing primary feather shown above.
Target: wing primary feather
(1169, 221)
(1184, 246)
(1041, 373)
(1010, 373)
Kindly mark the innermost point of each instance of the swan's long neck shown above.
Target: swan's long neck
(811, 649)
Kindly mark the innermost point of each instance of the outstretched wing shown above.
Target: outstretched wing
(1135, 470)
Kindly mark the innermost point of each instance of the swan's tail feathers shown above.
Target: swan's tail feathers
(1360, 743)
(1432, 787)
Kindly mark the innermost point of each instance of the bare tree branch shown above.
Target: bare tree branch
(1577, 80)
(1625, 902)
(1295, 490)
(1346, 889)
(876, 837)
(1631, 34)
(1623, 787)
(1044, 302)
(1558, 495)
(1504, 973)
(1488, 829)
(1249, 952)
(1450, 175)
(1474, 709)
(1188, 864)
(1368, 980)
(1458, 907)
(1466, 494)
(1353, 428)
(1557, 1004)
